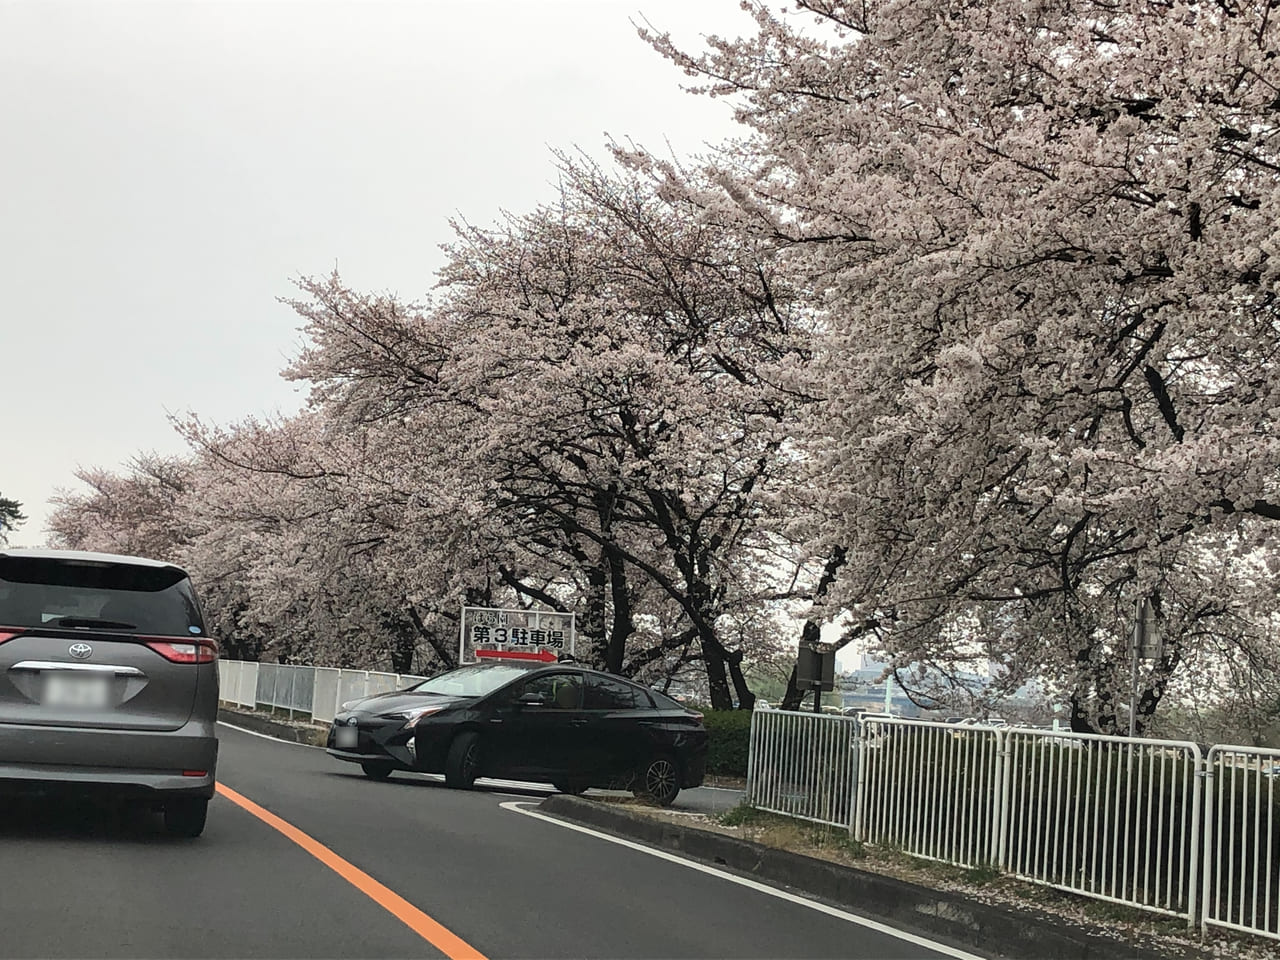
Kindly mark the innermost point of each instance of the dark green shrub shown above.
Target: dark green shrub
(729, 733)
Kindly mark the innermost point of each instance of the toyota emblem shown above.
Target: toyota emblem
(81, 651)
(353, 721)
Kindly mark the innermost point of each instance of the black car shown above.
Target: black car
(566, 725)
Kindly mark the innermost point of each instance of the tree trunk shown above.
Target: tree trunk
(623, 627)
(1080, 722)
(1093, 686)
(794, 696)
(592, 626)
(713, 655)
(447, 657)
(746, 699)
(404, 643)
(1154, 690)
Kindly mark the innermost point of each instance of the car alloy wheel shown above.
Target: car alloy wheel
(659, 781)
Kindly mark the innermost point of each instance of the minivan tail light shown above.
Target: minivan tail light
(6, 634)
(183, 651)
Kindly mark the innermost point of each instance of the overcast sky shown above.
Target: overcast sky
(169, 166)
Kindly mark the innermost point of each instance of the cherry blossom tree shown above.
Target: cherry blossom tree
(609, 370)
(1042, 239)
(319, 551)
(138, 511)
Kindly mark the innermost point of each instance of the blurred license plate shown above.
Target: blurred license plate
(345, 737)
(80, 691)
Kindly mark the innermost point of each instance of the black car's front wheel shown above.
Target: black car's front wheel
(658, 780)
(573, 787)
(377, 769)
(463, 761)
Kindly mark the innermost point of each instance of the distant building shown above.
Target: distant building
(862, 688)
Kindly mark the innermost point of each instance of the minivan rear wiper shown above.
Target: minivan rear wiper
(92, 622)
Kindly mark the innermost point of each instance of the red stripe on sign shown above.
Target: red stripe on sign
(546, 656)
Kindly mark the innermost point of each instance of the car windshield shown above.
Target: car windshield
(474, 681)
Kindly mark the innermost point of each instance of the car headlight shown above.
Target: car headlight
(410, 717)
(348, 705)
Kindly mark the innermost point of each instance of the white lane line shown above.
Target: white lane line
(519, 807)
(267, 736)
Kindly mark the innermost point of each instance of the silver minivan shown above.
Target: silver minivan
(107, 681)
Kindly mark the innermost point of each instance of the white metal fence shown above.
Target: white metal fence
(315, 692)
(1111, 818)
(1242, 840)
(1152, 824)
(802, 765)
(928, 789)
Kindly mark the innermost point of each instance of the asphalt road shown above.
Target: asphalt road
(304, 857)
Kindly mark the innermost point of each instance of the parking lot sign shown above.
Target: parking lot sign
(490, 633)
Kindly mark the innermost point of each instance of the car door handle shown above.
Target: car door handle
(579, 722)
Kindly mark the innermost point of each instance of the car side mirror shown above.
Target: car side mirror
(531, 700)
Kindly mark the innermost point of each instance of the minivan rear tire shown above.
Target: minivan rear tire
(185, 816)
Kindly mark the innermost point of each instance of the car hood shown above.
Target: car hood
(400, 700)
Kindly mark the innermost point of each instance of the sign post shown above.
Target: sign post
(1145, 644)
(816, 671)
(490, 633)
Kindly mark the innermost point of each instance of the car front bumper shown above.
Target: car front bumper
(376, 740)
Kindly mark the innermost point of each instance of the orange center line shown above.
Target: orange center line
(443, 939)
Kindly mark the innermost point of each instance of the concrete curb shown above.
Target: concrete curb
(947, 917)
(272, 728)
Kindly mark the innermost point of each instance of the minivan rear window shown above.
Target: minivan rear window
(59, 592)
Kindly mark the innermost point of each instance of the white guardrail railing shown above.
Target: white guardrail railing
(316, 692)
(1152, 824)
(1242, 840)
(802, 765)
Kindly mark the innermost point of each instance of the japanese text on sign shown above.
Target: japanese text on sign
(517, 636)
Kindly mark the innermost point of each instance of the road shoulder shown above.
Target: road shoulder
(295, 732)
(943, 915)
